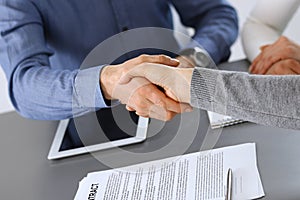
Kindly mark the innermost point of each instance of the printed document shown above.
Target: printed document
(196, 176)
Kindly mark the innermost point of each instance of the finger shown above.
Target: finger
(296, 67)
(270, 60)
(160, 99)
(259, 62)
(250, 68)
(292, 65)
(156, 112)
(151, 72)
(158, 59)
(253, 66)
(284, 67)
(264, 67)
(171, 95)
(263, 61)
(141, 105)
(142, 114)
(269, 72)
(178, 107)
(280, 72)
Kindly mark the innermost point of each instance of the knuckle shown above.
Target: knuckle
(141, 113)
(262, 56)
(129, 108)
(143, 57)
(124, 70)
(169, 116)
(270, 59)
(155, 97)
(161, 103)
(148, 90)
(283, 38)
(162, 58)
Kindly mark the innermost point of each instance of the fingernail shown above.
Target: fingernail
(174, 60)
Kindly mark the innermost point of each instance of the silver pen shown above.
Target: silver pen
(229, 185)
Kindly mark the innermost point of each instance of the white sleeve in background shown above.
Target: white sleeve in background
(266, 23)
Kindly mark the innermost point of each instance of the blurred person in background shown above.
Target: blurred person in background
(264, 45)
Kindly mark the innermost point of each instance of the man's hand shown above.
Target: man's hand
(111, 74)
(175, 81)
(282, 49)
(140, 95)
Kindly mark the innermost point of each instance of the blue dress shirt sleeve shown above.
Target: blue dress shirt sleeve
(37, 89)
(42, 44)
(215, 23)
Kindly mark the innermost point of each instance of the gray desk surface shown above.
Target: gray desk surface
(27, 174)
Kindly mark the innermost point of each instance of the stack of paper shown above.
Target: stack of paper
(195, 176)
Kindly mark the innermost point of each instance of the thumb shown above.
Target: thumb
(152, 72)
(172, 95)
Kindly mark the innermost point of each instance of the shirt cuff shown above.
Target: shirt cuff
(214, 50)
(88, 93)
(100, 96)
(217, 49)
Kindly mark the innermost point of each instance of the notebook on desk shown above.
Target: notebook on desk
(220, 121)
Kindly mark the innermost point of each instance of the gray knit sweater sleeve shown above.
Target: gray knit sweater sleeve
(268, 100)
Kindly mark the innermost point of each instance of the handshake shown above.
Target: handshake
(154, 86)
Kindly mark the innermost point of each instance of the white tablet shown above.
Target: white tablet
(104, 129)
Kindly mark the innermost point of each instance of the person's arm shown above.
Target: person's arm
(215, 23)
(38, 90)
(267, 100)
(41, 91)
(266, 23)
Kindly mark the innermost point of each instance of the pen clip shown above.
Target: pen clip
(229, 185)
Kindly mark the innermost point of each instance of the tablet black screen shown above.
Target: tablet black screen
(105, 125)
